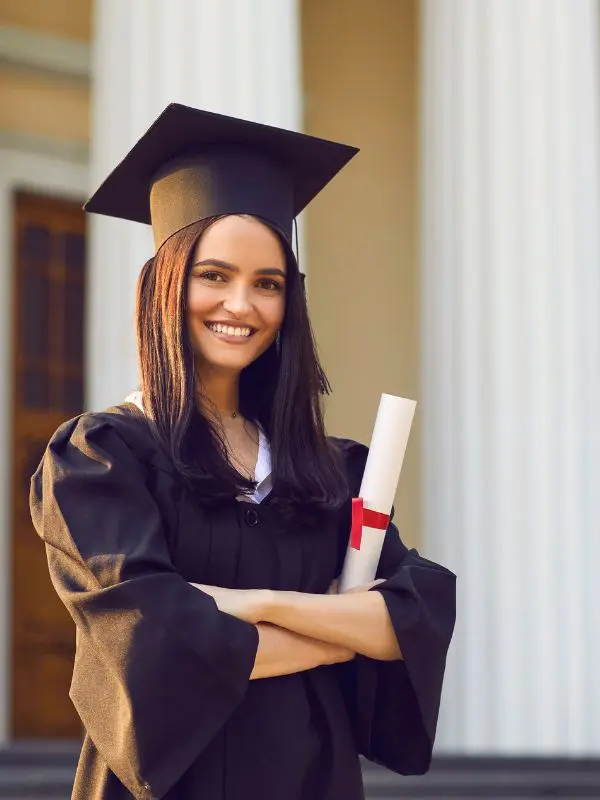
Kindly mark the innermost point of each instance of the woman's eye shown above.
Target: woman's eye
(214, 277)
(270, 285)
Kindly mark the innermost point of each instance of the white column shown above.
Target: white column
(511, 365)
(237, 57)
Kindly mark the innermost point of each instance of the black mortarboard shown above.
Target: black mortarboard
(192, 164)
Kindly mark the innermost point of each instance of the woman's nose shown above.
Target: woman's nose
(237, 300)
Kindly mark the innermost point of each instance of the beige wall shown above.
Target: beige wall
(70, 18)
(46, 105)
(360, 64)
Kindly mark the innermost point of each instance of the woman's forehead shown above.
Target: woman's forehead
(241, 240)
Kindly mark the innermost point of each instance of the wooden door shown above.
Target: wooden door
(48, 380)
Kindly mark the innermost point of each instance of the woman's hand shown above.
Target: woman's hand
(282, 652)
(246, 604)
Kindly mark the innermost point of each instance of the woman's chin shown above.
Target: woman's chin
(235, 362)
(227, 356)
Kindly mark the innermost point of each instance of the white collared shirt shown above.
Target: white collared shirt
(262, 471)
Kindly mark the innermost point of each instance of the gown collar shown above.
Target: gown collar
(262, 472)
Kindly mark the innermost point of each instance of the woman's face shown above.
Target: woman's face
(236, 292)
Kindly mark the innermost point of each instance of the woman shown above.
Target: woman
(195, 539)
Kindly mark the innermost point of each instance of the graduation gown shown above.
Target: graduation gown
(161, 676)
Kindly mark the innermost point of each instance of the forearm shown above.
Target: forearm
(358, 621)
(283, 652)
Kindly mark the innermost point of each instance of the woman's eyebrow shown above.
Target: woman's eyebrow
(216, 262)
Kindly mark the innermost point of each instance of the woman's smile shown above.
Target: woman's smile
(232, 334)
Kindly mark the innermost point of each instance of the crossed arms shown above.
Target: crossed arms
(300, 631)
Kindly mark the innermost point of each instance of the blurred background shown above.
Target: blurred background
(454, 261)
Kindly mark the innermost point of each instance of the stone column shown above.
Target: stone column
(238, 57)
(511, 365)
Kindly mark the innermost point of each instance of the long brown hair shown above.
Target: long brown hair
(281, 390)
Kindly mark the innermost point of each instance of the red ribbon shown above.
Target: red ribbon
(365, 517)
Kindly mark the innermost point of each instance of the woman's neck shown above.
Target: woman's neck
(218, 392)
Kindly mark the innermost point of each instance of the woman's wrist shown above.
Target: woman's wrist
(274, 602)
(336, 654)
(267, 601)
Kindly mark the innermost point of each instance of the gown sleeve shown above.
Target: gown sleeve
(395, 704)
(158, 668)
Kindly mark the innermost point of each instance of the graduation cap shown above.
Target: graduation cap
(193, 164)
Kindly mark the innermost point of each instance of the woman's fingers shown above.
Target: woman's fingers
(245, 604)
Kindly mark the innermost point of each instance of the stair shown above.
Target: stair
(490, 779)
(36, 770)
(44, 771)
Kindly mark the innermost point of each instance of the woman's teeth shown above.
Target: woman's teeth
(228, 330)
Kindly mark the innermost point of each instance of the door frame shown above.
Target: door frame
(60, 175)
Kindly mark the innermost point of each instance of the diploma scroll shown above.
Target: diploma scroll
(372, 508)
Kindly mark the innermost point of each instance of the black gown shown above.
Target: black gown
(161, 676)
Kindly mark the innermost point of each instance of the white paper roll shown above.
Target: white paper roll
(379, 485)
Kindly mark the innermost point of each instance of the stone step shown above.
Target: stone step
(44, 771)
(490, 778)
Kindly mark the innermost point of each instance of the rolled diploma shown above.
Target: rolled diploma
(379, 485)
